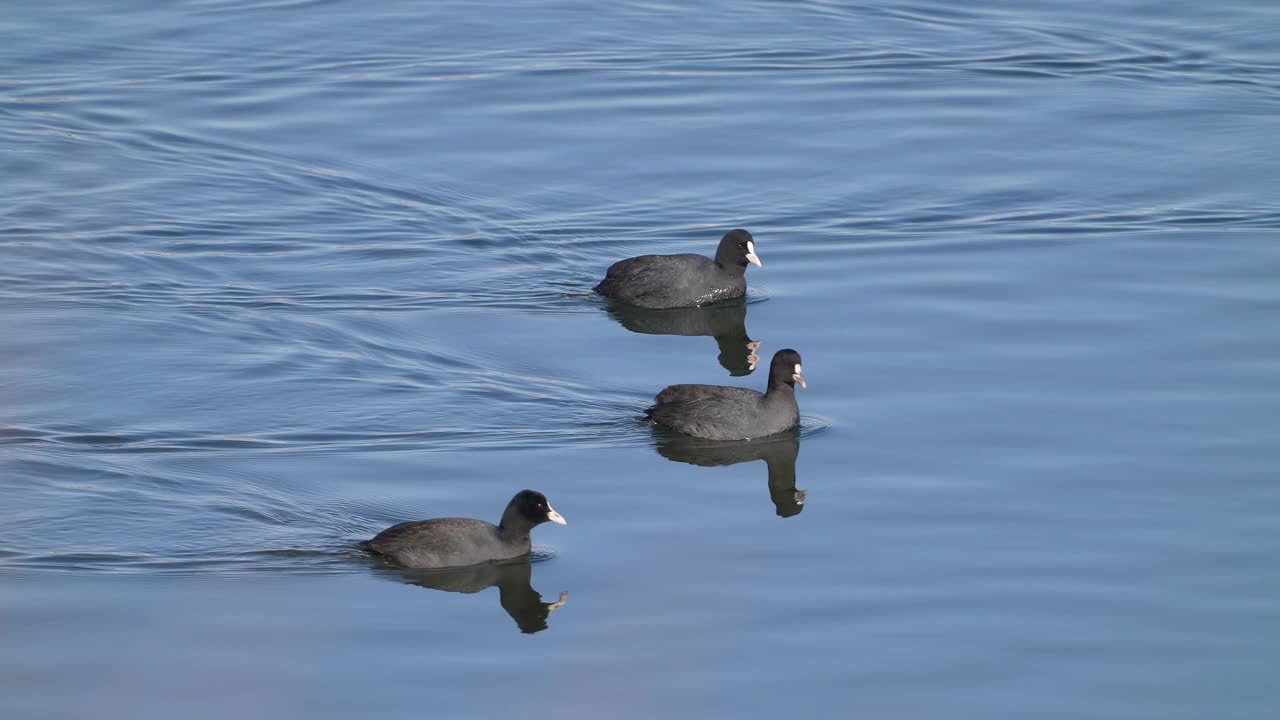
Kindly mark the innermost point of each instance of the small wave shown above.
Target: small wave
(336, 559)
(579, 422)
(812, 426)
(542, 553)
(935, 225)
(597, 434)
(269, 561)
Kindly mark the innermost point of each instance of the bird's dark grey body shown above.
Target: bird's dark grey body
(724, 413)
(447, 542)
(667, 281)
(457, 542)
(716, 412)
(685, 280)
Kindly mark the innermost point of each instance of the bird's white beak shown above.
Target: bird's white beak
(554, 516)
(751, 255)
(799, 378)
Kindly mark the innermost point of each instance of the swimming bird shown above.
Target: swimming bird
(667, 281)
(717, 412)
(456, 542)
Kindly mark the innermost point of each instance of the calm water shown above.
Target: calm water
(275, 275)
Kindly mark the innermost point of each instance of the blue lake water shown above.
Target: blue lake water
(276, 275)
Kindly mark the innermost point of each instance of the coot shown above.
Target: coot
(716, 412)
(455, 542)
(667, 281)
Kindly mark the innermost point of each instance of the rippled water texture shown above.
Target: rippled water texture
(276, 275)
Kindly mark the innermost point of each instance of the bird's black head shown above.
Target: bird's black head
(737, 248)
(785, 368)
(533, 507)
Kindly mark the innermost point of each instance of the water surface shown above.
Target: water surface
(276, 275)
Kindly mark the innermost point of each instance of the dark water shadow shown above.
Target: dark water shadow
(778, 451)
(726, 322)
(512, 578)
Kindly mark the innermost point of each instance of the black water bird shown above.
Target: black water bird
(456, 542)
(717, 412)
(685, 280)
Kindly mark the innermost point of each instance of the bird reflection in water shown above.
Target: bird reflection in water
(778, 451)
(515, 591)
(726, 322)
